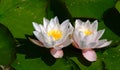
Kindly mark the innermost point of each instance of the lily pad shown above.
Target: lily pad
(7, 46)
(117, 6)
(88, 8)
(23, 63)
(111, 58)
(18, 15)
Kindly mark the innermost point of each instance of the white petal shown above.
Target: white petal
(36, 26)
(56, 53)
(53, 25)
(63, 43)
(48, 41)
(99, 34)
(76, 36)
(43, 30)
(100, 43)
(78, 23)
(89, 38)
(39, 36)
(56, 20)
(87, 24)
(81, 35)
(87, 42)
(46, 22)
(64, 26)
(70, 31)
(105, 44)
(75, 44)
(82, 44)
(90, 55)
(92, 44)
(2, 67)
(94, 25)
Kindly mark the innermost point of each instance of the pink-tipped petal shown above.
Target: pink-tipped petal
(56, 53)
(36, 42)
(90, 55)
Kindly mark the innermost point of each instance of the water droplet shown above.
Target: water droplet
(18, 63)
(23, 0)
(35, 17)
(118, 49)
(106, 53)
(32, 13)
(118, 55)
(113, 56)
(72, 4)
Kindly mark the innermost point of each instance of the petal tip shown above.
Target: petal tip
(90, 55)
(36, 42)
(34, 23)
(56, 53)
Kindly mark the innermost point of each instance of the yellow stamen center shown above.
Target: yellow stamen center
(87, 32)
(56, 34)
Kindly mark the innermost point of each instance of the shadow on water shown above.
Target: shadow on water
(104, 65)
(73, 52)
(112, 20)
(60, 10)
(32, 51)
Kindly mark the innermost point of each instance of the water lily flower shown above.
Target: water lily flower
(86, 37)
(53, 35)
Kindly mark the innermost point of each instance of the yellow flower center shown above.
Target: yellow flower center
(87, 32)
(56, 34)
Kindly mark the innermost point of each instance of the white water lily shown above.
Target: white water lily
(86, 37)
(53, 35)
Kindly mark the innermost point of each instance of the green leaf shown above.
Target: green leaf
(117, 6)
(18, 15)
(7, 46)
(88, 8)
(111, 58)
(87, 65)
(23, 63)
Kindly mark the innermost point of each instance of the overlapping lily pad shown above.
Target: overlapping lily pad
(7, 46)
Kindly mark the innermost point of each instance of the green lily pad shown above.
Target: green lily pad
(91, 66)
(18, 15)
(23, 63)
(117, 6)
(88, 8)
(111, 58)
(7, 46)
